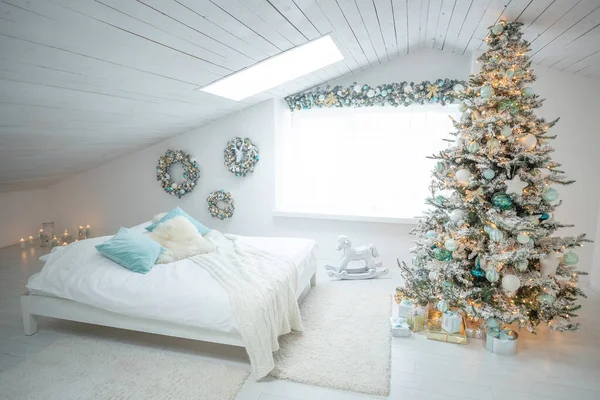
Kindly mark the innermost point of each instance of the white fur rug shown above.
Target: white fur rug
(95, 369)
(346, 343)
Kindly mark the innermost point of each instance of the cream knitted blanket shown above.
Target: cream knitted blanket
(262, 293)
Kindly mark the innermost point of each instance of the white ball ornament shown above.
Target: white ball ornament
(450, 244)
(430, 234)
(489, 174)
(528, 141)
(523, 238)
(486, 92)
(506, 131)
(511, 283)
(522, 266)
(357, 88)
(527, 92)
(433, 276)
(497, 29)
(496, 235)
(457, 215)
(463, 176)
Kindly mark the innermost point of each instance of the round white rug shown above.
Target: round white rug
(346, 343)
(86, 368)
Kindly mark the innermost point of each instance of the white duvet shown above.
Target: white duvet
(180, 292)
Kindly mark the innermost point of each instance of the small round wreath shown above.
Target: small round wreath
(191, 172)
(220, 204)
(241, 155)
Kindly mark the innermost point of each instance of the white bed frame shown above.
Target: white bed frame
(33, 305)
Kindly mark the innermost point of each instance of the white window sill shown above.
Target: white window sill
(339, 217)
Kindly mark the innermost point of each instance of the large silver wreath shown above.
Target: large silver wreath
(241, 155)
(191, 172)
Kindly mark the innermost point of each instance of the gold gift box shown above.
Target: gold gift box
(435, 332)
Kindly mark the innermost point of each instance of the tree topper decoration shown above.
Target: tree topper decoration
(241, 156)
(191, 172)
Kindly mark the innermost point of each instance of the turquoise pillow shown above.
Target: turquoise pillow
(178, 212)
(132, 250)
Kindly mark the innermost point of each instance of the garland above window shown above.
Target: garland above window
(442, 91)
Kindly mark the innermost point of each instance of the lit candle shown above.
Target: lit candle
(88, 232)
(22, 243)
(81, 233)
(65, 243)
(31, 239)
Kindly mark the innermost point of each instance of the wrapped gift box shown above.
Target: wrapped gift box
(474, 328)
(436, 332)
(417, 318)
(452, 322)
(399, 327)
(501, 342)
(404, 307)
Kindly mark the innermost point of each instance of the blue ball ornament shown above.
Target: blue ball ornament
(506, 131)
(497, 29)
(550, 195)
(523, 238)
(546, 299)
(544, 216)
(442, 254)
(473, 147)
(570, 258)
(416, 261)
(527, 92)
(502, 201)
(430, 234)
(492, 275)
(489, 174)
(486, 92)
(496, 235)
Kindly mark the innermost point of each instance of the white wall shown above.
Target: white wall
(125, 192)
(22, 214)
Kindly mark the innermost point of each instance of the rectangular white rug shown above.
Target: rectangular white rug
(346, 343)
(96, 369)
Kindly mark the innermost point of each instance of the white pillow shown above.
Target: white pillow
(181, 240)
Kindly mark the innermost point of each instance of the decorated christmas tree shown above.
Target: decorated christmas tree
(487, 244)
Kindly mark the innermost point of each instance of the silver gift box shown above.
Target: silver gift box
(503, 347)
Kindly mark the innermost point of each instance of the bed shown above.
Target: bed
(173, 299)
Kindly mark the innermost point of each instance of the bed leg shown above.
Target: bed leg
(29, 321)
(313, 279)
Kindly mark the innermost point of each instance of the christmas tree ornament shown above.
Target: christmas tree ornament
(457, 215)
(492, 275)
(433, 276)
(523, 238)
(442, 306)
(489, 174)
(439, 200)
(544, 216)
(462, 107)
(463, 176)
(496, 235)
(522, 266)
(471, 195)
(442, 254)
(511, 283)
(510, 73)
(493, 146)
(531, 241)
(546, 299)
(478, 273)
(417, 261)
(549, 264)
(502, 201)
(430, 234)
(550, 195)
(440, 166)
(481, 263)
(450, 244)
(515, 185)
(528, 92)
(506, 131)
(487, 229)
(473, 147)
(570, 258)
(486, 92)
(497, 29)
(528, 141)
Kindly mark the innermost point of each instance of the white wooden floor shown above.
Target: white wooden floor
(548, 366)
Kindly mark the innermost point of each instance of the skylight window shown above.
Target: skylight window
(276, 70)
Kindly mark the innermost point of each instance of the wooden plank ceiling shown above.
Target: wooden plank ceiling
(86, 81)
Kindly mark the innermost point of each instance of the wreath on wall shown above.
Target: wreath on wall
(441, 91)
(220, 204)
(241, 155)
(191, 172)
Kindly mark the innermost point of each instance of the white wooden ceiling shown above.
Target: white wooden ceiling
(86, 81)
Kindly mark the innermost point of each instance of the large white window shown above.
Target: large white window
(364, 162)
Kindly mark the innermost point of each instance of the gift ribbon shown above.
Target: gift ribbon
(502, 334)
(406, 303)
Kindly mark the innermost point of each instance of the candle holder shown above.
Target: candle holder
(43, 238)
(88, 232)
(30, 239)
(48, 228)
(22, 243)
(55, 242)
(66, 237)
(81, 233)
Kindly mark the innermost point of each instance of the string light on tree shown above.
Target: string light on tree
(490, 248)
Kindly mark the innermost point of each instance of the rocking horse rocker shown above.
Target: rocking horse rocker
(368, 254)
